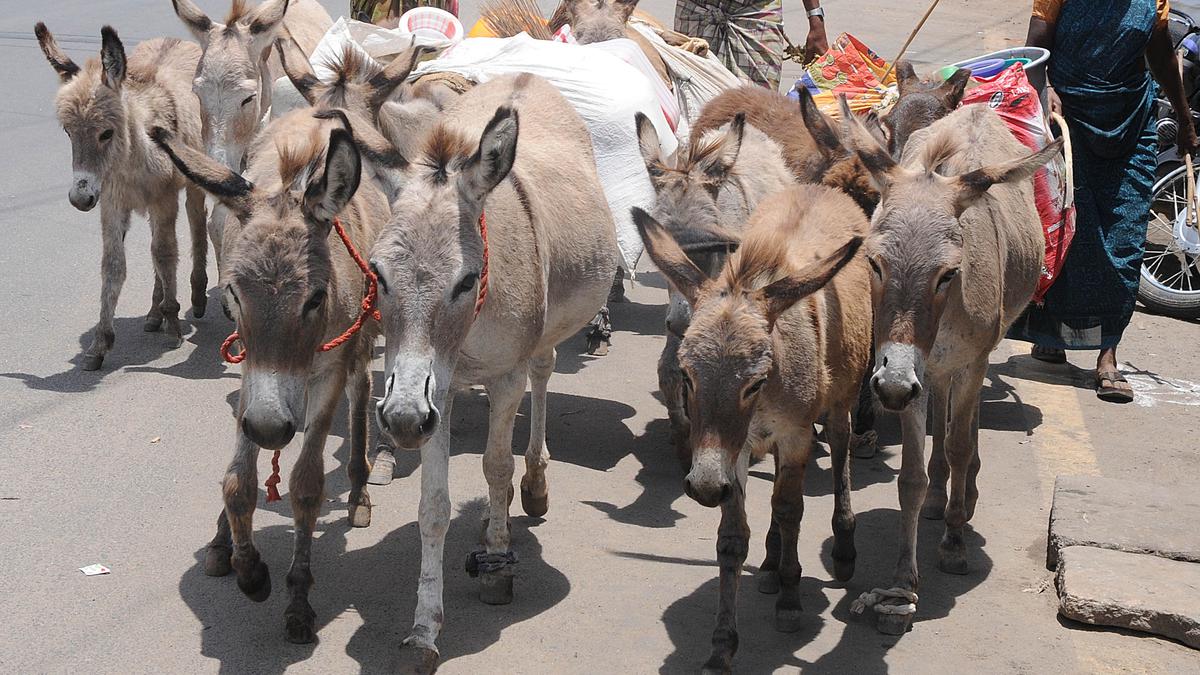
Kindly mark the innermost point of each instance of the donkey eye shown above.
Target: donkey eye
(233, 294)
(687, 381)
(314, 301)
(754, 388)
(379, 278)
(465, 284)
(106, 134)
(947, 277)
(248, 99)
(875, 267)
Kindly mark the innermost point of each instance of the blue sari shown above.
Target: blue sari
(1098, 70)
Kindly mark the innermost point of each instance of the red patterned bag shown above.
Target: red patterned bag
(1010, 94)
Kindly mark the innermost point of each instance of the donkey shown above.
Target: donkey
(777, 340)
(594, 21)
(234, 76)
(498, 250)
(703, 198)
(921, 103)
(106, 108)
(292, 286)
(956, 248)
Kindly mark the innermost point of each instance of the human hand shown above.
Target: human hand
(1054, 101)
(1186, 141)
(816, 44)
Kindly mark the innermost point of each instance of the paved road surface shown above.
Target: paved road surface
(121, 468)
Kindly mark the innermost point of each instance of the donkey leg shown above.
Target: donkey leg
(599, 336)
(219, 550)
(240, 490)
(768, 571)
(733, 543)
(535, 493)
(419, 650)
(113, 226)
(787, 509)
(837, 429)
(154, 317)
(306, 488)
(164, 249)
(961, 450)
(934, 507)
(194, 205)
(671, 386)
(912, 486)
(504, 397)
(358, 391)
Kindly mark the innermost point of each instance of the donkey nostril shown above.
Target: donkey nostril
(726, 490)
(429, 423)
(885, 361)
(916, 389)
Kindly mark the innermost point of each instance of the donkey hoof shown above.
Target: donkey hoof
(934, 507)
(717, 665)
(383, 468)
(953, 563)
(894, 624)
(360, 515)
(865, 445)
(216, 561)
(200, 301)
(258, 586)
(417, 659)
(534, 507)
(92, 361)
(152, 324)
(843, 570)
(495, 588)
(768, 582)
(300, 624)
(597, 347)
(789, 619)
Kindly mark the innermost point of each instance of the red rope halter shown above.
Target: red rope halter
(368, 310)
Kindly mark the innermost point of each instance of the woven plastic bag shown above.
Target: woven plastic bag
(849, 68)
(1012, 96)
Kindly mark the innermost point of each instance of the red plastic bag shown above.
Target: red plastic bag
(1017, 102)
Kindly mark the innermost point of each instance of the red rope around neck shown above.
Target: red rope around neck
(483, 274)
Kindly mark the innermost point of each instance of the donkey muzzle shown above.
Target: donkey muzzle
(708, 481)
(85, 191)
(407, 413)
(897, 379)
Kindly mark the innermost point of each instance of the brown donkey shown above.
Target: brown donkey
(777, 340)
(106, 107)
(921, 103)
(956, 248)
(704, 196)
(292, 286)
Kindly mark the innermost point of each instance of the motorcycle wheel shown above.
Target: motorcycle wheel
(1170, 283)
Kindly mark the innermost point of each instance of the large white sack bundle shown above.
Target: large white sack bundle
(603, 89)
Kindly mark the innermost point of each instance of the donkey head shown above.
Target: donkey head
(687, 200)
(842, 169)
(230, 77)
(920, 104)
(279, 272)
(596, 20)
(359, 85)
(916, 248)
(429, 260)
(91, 111)
(726, 358)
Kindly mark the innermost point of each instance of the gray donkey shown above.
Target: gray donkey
(956, 248)
(107, 107)
(500, 247)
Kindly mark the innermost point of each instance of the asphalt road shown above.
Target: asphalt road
(121, 467)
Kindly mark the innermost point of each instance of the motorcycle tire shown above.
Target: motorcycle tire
(1167, 287)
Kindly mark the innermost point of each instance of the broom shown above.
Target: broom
(507, 18)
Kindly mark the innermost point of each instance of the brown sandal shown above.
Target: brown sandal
(1108, 387)
(1048, 355)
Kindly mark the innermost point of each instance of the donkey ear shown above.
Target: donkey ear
(624, 8)
(906, 77)
(213, 177)
(298, 70)
(59, 61)
(971, 186)
(873, 155)
(649, 145)
(497, 153)
(195, 19)
(951, 91)
(385, 82)
(779, 296)
(112, 57)
(325, 197)
(266, 20)
(818, 126)
(668, 257)
(720, 163)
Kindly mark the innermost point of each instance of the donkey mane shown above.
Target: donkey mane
(300, 161)
(351, 66)
(237, 12)
(944, 144)
(763, 257)
(442, 148)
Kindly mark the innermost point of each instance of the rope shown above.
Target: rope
(877, 595)
(483, 274)
(272, 491)
(913, 34)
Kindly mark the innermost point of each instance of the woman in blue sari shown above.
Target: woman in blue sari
(1098, 80)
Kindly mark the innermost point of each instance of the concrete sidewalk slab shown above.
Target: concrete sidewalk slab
(1124, 516)
(1131, 590)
